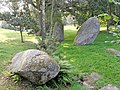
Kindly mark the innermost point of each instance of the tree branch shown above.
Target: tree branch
(31, 2)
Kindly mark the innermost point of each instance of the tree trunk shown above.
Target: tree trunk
(43, 28)
(43, 21)
(39, 21)
(51, 19)
(110, 13)
(39, 16)
(21, 35)
(108, 25)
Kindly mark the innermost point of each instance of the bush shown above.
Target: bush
(49, 45)
(4, 24)
(63, 79)
(115, 31)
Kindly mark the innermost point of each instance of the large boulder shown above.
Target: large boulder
(34, 65)
(58, 32)
(88, 32)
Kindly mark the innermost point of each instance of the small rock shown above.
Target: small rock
(107, 41)
(90, 87)
(115, 34)
(95, 76)
(110, 32)
(109, 87)
(89, 80)
(113, 51)
(113, 41)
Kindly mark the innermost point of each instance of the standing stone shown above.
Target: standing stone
(34, 65)
(88, 32)
(58, 32)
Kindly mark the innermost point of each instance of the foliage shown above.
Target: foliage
(82, 10)
(49, 46)
(65, 71)
(105, 16)
(63, 79)
(115, 31)
(112, 17)
(21, 19)
(24, 20)
(16, 78)
(76, 86)
(5, 16)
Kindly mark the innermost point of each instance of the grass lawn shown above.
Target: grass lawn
(93, 58)
(85, 59)
(9, 45)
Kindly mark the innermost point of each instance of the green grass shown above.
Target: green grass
(93, 58)
(77, 86)
(85, 59)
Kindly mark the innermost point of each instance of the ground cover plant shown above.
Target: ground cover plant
(84, 59)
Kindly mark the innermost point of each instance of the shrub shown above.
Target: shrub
(49, 46)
